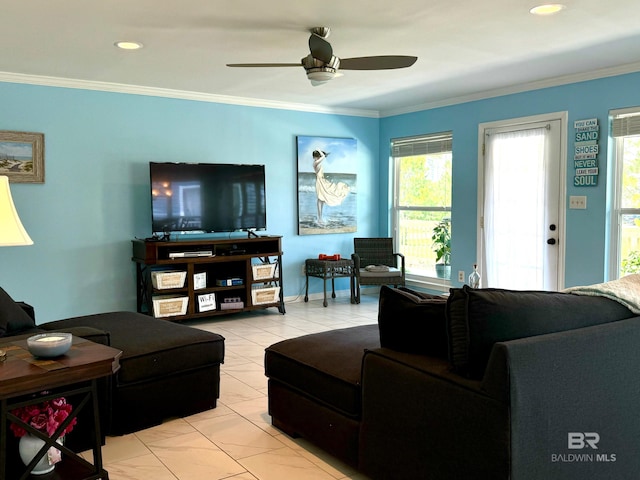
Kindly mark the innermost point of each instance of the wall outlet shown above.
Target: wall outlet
(304, 269)
(578, 202)
(461, 276)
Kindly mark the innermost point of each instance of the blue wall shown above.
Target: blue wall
(586, 235)
(95, 198)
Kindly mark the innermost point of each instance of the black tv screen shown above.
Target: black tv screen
(207, 197)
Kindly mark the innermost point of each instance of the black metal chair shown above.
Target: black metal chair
(375, 263)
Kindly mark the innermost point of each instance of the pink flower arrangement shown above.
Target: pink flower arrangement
(45, 416)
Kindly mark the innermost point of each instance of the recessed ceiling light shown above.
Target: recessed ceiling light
(547, 9)
(128, 45)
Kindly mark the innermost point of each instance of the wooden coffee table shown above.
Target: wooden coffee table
(74, 373)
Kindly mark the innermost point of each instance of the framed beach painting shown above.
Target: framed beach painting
(327, 185)
(22, 156)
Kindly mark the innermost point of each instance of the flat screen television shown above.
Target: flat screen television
(207, 197)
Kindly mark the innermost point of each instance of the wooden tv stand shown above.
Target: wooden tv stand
(240, 262)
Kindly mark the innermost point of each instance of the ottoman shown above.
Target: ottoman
(314, 387)
(167, 369)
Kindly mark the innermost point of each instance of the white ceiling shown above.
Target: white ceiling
(465, 48)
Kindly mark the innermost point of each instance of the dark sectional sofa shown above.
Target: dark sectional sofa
(166, 369)
(487, 384)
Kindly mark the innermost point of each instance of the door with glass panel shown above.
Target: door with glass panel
(521, 216)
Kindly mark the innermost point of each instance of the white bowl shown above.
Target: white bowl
(49, 345)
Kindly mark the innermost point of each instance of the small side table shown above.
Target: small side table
(74, 373)
(330, 269)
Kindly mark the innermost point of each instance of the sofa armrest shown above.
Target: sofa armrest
(28, 309)
(420, 420)
(577, 384)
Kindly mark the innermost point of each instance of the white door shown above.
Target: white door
(521, 215)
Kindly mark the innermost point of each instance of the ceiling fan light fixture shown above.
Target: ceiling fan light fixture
(318, 71)
(321, 74)
(547, 9)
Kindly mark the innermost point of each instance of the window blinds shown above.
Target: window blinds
(626, 124)
(421, 145)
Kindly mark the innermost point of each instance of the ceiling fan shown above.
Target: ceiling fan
(322, 65)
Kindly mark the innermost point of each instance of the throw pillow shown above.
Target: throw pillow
(412, 322)
(12, 317)
(478, 318)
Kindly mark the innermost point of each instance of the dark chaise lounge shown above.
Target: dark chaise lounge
(166, 369)
(487, 384)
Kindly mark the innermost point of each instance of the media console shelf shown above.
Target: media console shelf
(220, 276)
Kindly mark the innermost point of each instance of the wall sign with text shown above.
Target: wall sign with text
(585, 155)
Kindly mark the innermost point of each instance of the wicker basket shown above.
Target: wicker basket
(261, 296)
(169, 279)
(263, 271)
(169, 306)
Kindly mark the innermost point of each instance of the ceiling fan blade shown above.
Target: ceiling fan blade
(264, 64)
(381, 62)
(320, 48)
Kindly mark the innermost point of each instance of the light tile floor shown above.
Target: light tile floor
(236, 440)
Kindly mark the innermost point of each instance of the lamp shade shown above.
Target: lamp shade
(12, 233)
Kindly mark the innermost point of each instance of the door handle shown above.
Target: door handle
(551, 241)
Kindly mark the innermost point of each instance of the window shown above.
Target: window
(422, 201)
(626, 213)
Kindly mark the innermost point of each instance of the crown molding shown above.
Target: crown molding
(525, 87)
(48, 81)
(9, 77)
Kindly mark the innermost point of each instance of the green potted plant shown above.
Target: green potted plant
(441, 237)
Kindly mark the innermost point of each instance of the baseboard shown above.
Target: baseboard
(346, 293)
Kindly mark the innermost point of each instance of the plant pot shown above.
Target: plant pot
(28, 446)
(443, 271)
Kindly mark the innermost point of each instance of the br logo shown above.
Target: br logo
(579, 440)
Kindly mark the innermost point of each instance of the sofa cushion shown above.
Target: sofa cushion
(152, 348)
(478, 318)
(324, 366)
(412, 322)
(373, 273)
(13, 318)
(89, 333)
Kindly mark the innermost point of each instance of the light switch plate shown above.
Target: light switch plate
(578, 202)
